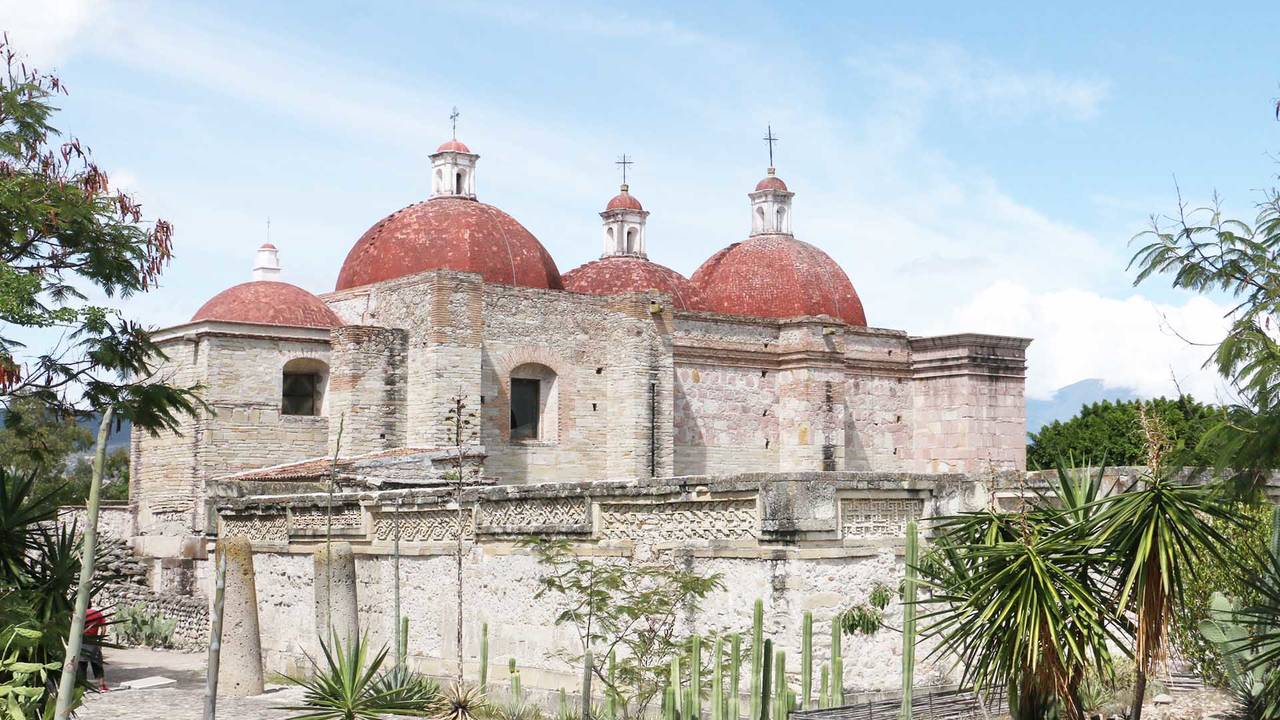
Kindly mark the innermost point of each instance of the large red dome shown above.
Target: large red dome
(267, 302)
(622, 274)
(777, 276)
(450, 234)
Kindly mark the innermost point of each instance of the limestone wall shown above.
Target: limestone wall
(816, 542)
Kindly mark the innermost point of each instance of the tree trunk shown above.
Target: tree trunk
(88, 551)
(1139, 693)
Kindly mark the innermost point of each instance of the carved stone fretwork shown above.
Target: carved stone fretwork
(674, 521)
(566, 514)
(259, 528)
(871, 518)
(424, 526)
(346, 517)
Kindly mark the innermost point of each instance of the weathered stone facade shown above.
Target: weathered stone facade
(799, 541)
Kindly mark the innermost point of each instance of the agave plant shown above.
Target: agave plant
(349, 687)
(461, 702)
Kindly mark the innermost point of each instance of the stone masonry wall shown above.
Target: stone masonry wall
(816, 542)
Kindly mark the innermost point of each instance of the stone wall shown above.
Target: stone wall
(240, 368)
(801, 542)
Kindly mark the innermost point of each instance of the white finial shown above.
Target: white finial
(266, 263)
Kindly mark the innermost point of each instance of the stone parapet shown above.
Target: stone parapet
(804, 510)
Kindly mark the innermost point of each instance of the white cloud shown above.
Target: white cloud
(982, 86)
(1077, 334)
(45, 32)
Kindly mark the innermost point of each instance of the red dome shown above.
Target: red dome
(771, 182)
(624, 201)
(453, 146)
(267, 302)
(777, 276)
(622, 274)
(450, 234)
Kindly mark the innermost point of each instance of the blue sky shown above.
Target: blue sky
(973, 169)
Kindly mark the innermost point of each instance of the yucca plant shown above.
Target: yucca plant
(348, 686)
(1016, 615)
(1155, 533)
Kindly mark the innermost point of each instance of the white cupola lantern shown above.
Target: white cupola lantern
(453, 171)
(624, 218)
(771, 206)
(266, 263)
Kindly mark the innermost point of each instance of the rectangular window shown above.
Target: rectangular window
(525, 406)
(299, 395)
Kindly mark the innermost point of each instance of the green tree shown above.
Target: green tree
(40, 440)
(63, 235)
(1201, 250)
(622, 609)
(1109, 432)
(115, 479)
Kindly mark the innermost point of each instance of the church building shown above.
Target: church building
(763, 361)
(748, 414)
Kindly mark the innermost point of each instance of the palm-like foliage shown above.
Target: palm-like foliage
(348, 687)
(1017, 604)
(21, 512)
(1156, 532)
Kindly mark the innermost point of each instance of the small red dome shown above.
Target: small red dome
(267, 302)
(623, 274)
(771, 182)
(624, 201)
(450, 234)
(777, 276)
(453, 146)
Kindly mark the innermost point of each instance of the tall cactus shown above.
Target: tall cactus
(695, 678)
(837, 664)
(516, 694)
(757, 658)
(677, 701)
(806, 661)
(484, 658)
(611, 693)
(717, 680)
(766, 679)
(1275, 531)
(824, 689)
(588, 669)
(909, 618)
(668, 703)
(735, 675)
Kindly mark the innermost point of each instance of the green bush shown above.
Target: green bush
(1252, 534)
(136, 625)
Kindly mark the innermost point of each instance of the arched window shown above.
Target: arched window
(535, 403)
(760, 219)
(439, 180)
(302, 387)
(782, 212)
(631, 240)
(609, 234)
(457, 187)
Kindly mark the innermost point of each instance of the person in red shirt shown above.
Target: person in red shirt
(95, 630)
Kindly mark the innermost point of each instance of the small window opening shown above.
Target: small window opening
(300, 394)
(526, 403)
(631, 240)
(763, 373)
(457, 181)
(766, 444)
(599, 371)
(593, 407)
